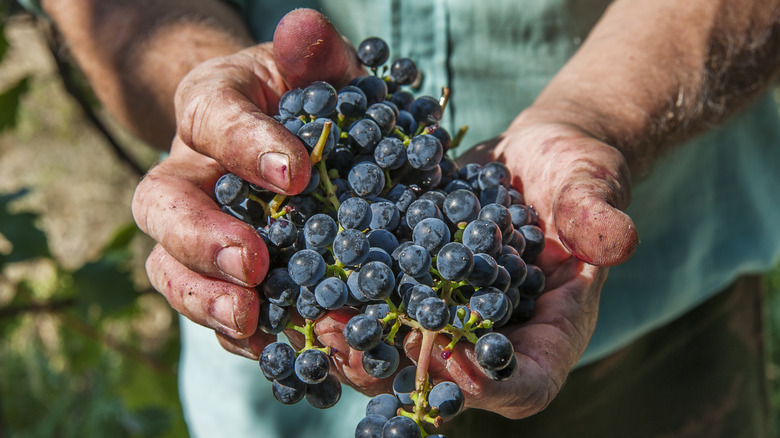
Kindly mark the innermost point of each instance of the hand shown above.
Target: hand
(577, 184)
(206, 263)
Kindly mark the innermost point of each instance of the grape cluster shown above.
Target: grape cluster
(390, 226)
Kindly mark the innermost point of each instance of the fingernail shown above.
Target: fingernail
(222, 311)
(274, 167)
(230, 261)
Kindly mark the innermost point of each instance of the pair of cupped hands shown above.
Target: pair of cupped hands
(206, 263)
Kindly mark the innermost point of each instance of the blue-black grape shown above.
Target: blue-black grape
(403, 71)
(454, 261)
(381, 361)
(363, 332)
(424, 152)
(376, 280)
(448, 398)
(493, 351)
(306, 268)
(351, 247)
(289, 390)
(386, 405)
(325, 394)
(373, 52)
(331, 293)
(366, 179)
(433, 313)
(461, 206)
(277, 360)
(319, 99)
(312, 366)
(401, 427)
(230, 189)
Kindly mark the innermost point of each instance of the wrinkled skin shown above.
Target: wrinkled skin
(576, 184)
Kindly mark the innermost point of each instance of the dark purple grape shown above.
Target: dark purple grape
(312, 366)
(310, 134)
(490, 303)
(403, 71)
(483, 236)
(331, 293)
(351, 247)
(403, 384)
(280, 288)
(366, 179)
(307, 306)
(424, 152)
(231, 189)
(272, 318)
(363, 332)
(515, 266)
(306, 268)
(381, 361)
(426, 109)
(320, 230)
(383, 115)
(364, 135)
(376, 280)
(386, 405)
(277, 360)
(454, 261)
(421, 209)
(383, 239)
(282, 232)
(390, 153)
(291, 103)
(504, 373)
(433, 314)
(447, 398)
(494, 174)
(289, 390)
(373, 52)
(355, 213)
(384, 216)
(534, 242)
(374, 87)
(534, 282)
(461, 206)
(432, 234)
(401, 427)
(370, 427)
(414, 260)
(493, 351)
(403, 100)
(319, 99)
(325, 394)
(351, 101)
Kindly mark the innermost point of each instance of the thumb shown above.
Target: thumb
(590, 223)
(308, 48)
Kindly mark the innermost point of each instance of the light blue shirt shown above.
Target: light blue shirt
(706, 214)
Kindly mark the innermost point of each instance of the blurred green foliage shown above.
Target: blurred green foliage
(70, 362)
(73, 362)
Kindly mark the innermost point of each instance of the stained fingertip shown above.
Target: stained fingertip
(307, 48)
(595, 232)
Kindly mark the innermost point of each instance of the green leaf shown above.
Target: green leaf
(105, 283)
(9, 103)
(27, 239)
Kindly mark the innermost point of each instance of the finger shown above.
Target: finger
(250, 348)
(308, 48)
(222, 109)
(171, 205)
(227, 308)
(588, 217)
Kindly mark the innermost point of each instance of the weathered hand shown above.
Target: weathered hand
(207, 263)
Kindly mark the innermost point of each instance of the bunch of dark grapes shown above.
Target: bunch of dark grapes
(391, 226)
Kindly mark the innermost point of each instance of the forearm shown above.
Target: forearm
(654, 73)
(134, 53)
